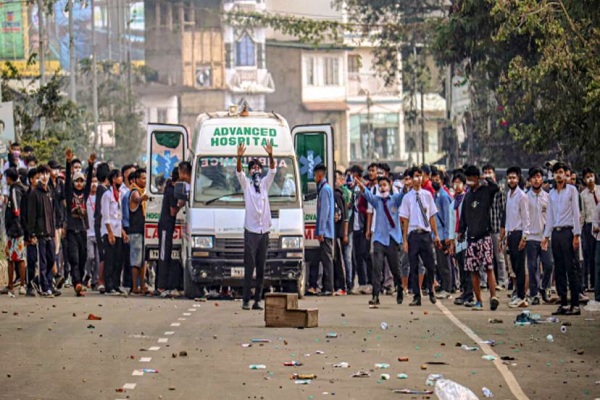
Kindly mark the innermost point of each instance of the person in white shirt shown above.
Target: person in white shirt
(590, 198)
(417, 214)
(538, 200)
(112, 233)
(93, 257)
(516, 230)
(562, 225)
(257, 221)
(596, 232)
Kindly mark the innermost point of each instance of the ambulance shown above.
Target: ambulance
(209, 235)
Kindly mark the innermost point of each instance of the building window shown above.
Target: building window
(332, 71)
(376, 134)
(354, 63)
(245, 52)
(309, 68)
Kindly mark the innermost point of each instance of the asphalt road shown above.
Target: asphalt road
(49, 350)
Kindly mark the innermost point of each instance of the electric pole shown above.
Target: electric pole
(73, 61)
(42, 33)
(95, 78)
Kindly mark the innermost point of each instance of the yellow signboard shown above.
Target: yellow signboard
(33, 69)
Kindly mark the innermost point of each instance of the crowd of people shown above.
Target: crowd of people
(450, 234)
(447, 235)
(66, 226)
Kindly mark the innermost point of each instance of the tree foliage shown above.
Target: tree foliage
(541, 61)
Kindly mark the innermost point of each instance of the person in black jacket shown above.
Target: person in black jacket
(40, 221)
(57, 186)
(102, 172)
(76, 222)
(33, 283)
(15, 246)
(475, 226)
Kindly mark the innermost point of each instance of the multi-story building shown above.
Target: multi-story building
(190, 46)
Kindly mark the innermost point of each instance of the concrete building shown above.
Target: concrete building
(190, 47)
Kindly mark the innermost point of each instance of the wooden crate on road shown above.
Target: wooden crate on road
(281, 311)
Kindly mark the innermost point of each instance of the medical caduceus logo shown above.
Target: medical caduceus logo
(163, 164)
(308, 163)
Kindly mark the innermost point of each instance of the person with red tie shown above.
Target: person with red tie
(387, 238)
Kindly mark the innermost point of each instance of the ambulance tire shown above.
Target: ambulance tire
(191, 290)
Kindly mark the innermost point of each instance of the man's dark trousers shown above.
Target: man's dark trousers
(255, 258)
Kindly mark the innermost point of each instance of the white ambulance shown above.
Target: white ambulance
(210, 228)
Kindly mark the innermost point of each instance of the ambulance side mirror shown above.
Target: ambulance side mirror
(311, 191)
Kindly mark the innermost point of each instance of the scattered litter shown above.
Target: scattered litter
(402, 376)
(319, 352)
(592, 306)
(382, 366)
(436, 363)
(361, 374)
(411, 391)
(384, 326)
(468, 348)
(292, 364)
(552, 320)
(246, 344)
(303, 376)
(495, 321)
(171, 387)
(257, 366)
(332, 335)
(527, 318)
(341, 365)
(507, 358)
(90, 326)
(261, 340)
(487, 392)
(302, 381)
(385, 377)
(580, 352)
(403, 359)
(490, 342)
(433, 378)
(150, 371)
(563, 329)
(183, 354)
(92, 317)
(200, 299)
(488, 357)
(446, 389)
(550, 339)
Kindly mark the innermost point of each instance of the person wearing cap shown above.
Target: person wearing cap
(76, 221)
(257, 222)
(516, 231)
(564, 229)
(417, 213)
(475, 226)
(325, 234)
(537, 200)
(387, 237)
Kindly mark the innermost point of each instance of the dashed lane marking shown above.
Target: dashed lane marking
(508, 376)
(176, 324)
(163, 340)
(145, 359)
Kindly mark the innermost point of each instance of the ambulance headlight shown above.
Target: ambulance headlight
(291, 242)
(202, 242)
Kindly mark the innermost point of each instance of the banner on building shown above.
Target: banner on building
(12, 31)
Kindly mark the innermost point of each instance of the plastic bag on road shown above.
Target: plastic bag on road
(446, 389)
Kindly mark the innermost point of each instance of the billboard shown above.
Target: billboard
(12, 31)
(7, 125)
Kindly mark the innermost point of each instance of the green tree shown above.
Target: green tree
(539, 60)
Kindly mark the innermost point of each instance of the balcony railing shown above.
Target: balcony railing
(360, 84)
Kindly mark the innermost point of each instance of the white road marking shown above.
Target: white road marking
(137, 372)
(191, 309)
(176, 324)
(145, 359)
(129, 386)
(187, 314)
(163, 340)
(508, 376)
(169, 333)
(197, 305)
(181, 319)
(154, 348)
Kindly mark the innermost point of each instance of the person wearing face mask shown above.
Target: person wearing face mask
(475, 227)
(387, 237)
(564, 229)
(93, 259)
(14, 161)
(516, 231)
(537, 200)
(590, 198)
(42, 229)
(442, 202)
(113, 234)
(417, 214)
(257, 221)
(57, 186)
(459, 249)
(76, 225)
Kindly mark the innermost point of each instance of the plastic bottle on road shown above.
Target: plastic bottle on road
(468, 348)
(258, 366)
(445, 389)
(384, 326)
(550, 339)
(487, 392)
